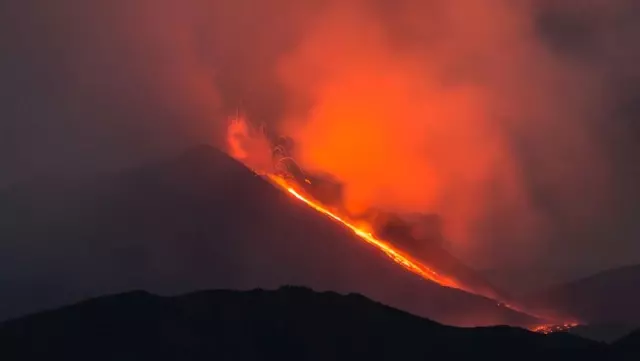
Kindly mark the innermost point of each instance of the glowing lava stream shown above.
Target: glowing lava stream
(404, 260)
(398, 257)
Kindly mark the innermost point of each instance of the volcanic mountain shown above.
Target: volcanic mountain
(291, 323)
(199, 221)
(416, 235)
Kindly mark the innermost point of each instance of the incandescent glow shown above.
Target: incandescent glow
(547, 329)
(397, 256)
(406, 261)
(253, 149)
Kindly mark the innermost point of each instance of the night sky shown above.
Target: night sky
(107, 84)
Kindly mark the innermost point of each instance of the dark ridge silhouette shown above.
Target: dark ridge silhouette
(629, 345)
(291, 323)
(607, 298)
(199, 221)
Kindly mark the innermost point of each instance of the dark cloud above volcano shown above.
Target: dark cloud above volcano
(104, 84)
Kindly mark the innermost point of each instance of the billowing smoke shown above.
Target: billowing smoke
(445, 106)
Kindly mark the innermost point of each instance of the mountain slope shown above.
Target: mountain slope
(608, 333)
(610, 297)
(201, 220)
(288, 324)
(418, 234)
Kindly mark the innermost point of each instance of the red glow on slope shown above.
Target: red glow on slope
(401, 258)
(397, 256)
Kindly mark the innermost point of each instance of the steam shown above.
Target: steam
(445, 106)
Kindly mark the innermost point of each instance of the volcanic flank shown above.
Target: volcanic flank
(414, 241)
(607, 302)
(201, 220)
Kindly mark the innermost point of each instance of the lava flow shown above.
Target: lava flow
(547, 329)
(254, 150)
(406, 261)
(397, 256)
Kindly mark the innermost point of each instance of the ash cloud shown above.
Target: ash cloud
(515, 120)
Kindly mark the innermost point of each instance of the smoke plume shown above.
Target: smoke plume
(446, 107)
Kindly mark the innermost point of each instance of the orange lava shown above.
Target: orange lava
(547, 329)
(394, 254)
(406, 261)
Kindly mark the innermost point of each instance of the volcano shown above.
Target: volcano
(291, 323)
(201, 220)
(416, 235)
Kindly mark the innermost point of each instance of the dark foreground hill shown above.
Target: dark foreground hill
(630, 344)
(199, 221)
(288, 324)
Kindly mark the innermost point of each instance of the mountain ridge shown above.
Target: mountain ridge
(288, 323)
